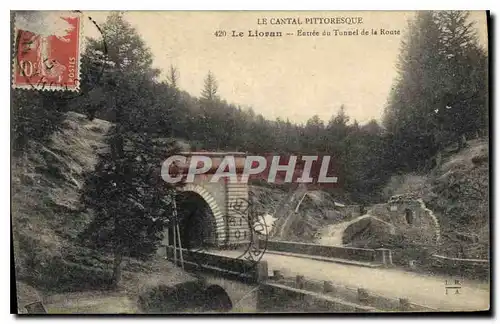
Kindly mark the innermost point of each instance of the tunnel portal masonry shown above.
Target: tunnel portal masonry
(241, 215)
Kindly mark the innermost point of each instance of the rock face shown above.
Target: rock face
(365, 228)
(298, 215)
(360, 230)
(403, 215)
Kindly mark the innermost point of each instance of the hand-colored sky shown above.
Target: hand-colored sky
(290, 77)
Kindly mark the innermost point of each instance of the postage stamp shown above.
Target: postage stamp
(47, 50)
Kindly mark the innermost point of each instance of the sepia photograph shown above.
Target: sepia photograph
(250, 162)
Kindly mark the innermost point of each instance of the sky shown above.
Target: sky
(292, 77)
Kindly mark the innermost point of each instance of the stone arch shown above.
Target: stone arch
(217, 299)
(210, 200)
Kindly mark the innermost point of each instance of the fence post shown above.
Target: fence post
(328, 287)
(262, 271)
(404, 304)
(277, 275)
(384, 256)
(363, 295)
(300, 282)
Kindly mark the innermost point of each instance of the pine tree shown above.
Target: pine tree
(125, 191)
(314, 136)
(464, 105)
(173, 77)
(440, 94)
(409, 116)
(126, 195)
(210, 88)
(213, 115)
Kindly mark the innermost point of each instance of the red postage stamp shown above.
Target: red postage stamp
(47, 51)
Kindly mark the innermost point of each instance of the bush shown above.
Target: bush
(181, 297)
(35, 116)
(59, 275)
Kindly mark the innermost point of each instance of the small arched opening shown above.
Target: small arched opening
(409, 216)
(217, 299)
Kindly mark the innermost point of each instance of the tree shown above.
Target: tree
(213, 124)
(125, 191)
(125, 47)
(124, 55)
(35, 117)
(409, 116)
(435, 101)
(173, 77)
(464, 107)
(209, 91)
(126, 195)
(314, 135)
(337, 126)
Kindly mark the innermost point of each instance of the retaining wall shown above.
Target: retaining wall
(304, 294)
(475, 268)
(273, 297)
(382, 256)
(231, 268)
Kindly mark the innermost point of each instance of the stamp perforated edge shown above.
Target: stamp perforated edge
(48, 87)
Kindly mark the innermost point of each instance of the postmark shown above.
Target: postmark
(247, 213)
(47, 50)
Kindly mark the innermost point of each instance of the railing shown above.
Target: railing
(477, 267)
(357, 299)
(382, 256)
(231, 268)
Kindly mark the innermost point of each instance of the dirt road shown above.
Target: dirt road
(422, 289)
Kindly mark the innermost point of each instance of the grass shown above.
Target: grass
(104, 305)
(46, 215)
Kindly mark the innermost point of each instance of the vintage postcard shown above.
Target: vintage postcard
(250, 162)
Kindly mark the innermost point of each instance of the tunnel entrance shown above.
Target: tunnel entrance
(196, 221)
(409, 216)
(217, 299)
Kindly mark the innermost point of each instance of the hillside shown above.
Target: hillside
(50, 264)
(456, 192)
(45, 194)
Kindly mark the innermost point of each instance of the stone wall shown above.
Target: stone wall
(411, 218)
(301, 294)
(238, 228)
(226, 267)
(381, 256)
(279, 298)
